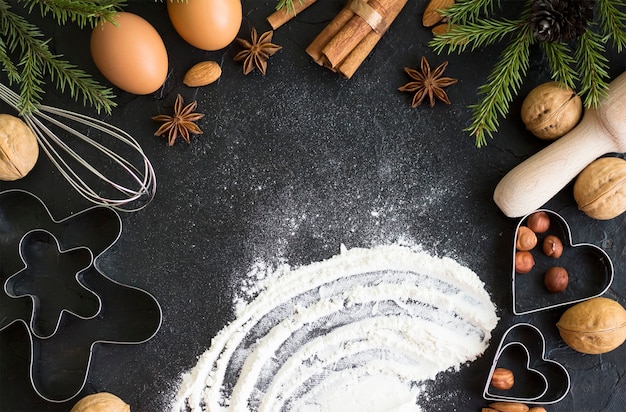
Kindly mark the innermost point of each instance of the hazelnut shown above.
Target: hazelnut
(550, 110)
(524, 261)
(526, 239)
(502, 379)
(552, 246)
(19, 149)
(556, 279)
(538, 222)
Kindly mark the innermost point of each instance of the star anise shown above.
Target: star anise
(181, 123)
(255, 53)
(427, 83)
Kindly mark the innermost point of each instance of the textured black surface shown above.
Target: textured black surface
(290, 166)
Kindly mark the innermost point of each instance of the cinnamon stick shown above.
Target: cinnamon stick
(282, 16)
(351, 36)
(354, 59)
(352, 33)
(315, 48)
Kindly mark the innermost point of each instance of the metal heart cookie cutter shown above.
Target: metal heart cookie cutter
(538, 380)
(53, 286)
(590, 270)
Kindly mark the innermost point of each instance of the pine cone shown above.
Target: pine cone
(560, 20)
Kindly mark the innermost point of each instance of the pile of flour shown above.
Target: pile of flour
(361, 331)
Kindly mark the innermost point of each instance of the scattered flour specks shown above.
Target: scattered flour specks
(362, 331)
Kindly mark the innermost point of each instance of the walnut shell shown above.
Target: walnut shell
(101, 402)
(594, 326)
(19, 149)
(600, 189)
(550, 110)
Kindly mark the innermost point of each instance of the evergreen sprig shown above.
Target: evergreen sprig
(561, 63)
(593, 66)
(503, 84)
(24, 41)
(471, 27)
(463, 12)
(474, 34)
(612, 22)
(288, 5)
(80, 12)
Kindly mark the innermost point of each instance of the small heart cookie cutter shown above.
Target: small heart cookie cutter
(60, 360)
(590, 270)
(549, 376)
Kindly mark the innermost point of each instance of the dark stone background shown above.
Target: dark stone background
(290, 166)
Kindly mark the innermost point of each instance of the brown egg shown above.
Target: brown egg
(130, 55)
(206, 24)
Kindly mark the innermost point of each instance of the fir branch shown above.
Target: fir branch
(560, 61)
(80, 12)
(503, 83)
(464, 11)
(482, 32)
(36, 60)
(80, 84)
(31, 81)
(593, 66)
(287, 5)
(7, 64)
(612, 22)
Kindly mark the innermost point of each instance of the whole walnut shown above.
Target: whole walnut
(594, 326)
(101, 402)
(600, 189)
(550, 110)
(19, 149)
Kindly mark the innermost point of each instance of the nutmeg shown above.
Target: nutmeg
(552, 246)
(526, 239)
(550, 110)
(538, 222)
(524, 261)
(502, 379)
(556, 279)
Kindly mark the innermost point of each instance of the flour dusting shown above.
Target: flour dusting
(361, 331)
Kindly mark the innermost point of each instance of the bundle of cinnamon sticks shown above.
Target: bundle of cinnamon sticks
(350, 37)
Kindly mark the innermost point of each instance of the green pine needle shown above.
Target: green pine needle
(475, 34)
(561, 63)
(503, 84)
(464, 11)
(80, 12)
(613, 22)
(287, 5)
(593, 66)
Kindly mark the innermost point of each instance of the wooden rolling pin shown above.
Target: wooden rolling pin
(536, 180)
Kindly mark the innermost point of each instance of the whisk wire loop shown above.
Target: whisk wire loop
(139, 187)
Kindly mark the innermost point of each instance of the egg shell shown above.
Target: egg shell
(206, 24)
(130, 55)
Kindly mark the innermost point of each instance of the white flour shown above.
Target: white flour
(360, 331)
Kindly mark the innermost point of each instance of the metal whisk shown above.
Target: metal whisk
(138, 185)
